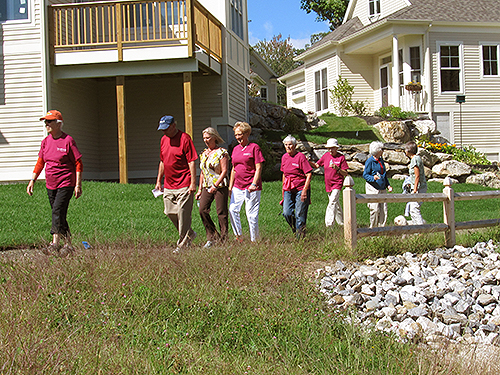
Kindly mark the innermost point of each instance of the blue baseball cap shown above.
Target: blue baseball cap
(165, 122)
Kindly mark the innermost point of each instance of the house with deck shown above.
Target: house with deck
(113, 68)
(448, 50)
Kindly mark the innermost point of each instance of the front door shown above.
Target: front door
(384, 85)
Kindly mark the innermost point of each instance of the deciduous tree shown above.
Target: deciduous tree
(332, 11)
(279, 54)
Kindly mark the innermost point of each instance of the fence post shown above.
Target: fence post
(119, 31)
(449, 212)
(350, 224)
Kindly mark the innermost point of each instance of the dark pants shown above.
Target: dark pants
(220, 196)
(59, 202)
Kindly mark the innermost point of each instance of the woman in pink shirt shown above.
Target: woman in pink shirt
(296, 187)
(245, 184)
(335, 170)
(63, 178)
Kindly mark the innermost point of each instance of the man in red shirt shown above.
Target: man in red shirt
(177, 165)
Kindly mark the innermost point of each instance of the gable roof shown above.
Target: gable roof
(450, 11)
(350, 27)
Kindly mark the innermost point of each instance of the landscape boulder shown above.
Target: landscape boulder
(451, 168)
(394, 131)
(489, 179)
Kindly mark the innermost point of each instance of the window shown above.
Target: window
(416, 71)
(450, 69)
(321, 90)
(237, 17)
(263, 93)
(490, 60)
(13, 10)
(374, 7)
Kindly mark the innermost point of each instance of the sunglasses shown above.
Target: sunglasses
(49, 121)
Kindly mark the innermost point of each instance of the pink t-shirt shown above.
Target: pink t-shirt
(333, 179)
(295, 168)
(176, 153)
(59, 156)
(244, 160)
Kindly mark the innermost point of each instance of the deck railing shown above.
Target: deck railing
(131, 24)
(448, 197)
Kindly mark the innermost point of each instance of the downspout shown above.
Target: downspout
(428, 72)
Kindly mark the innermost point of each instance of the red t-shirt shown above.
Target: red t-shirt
(295, 168)
(333, 179)
(176, 153)
(59, 156)
(244, 160)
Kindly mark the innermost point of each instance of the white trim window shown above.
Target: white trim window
(490, 55)
(401, 73)
(13, 10)
(237, 17)
(415, 64)
(263, 93)
(374, 7)
(450, 68)
(321, 90)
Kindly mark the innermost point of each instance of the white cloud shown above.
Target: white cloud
(253, 40)
(268, 26)
(300, 43)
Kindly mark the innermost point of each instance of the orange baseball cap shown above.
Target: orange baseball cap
(52, 115)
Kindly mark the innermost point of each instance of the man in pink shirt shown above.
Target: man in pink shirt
(336, 168)
(177, 167)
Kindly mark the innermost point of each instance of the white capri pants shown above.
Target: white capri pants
(252, 205)
(378, 211)
(333, 210)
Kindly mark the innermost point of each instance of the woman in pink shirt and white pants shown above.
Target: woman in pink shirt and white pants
(245, 184)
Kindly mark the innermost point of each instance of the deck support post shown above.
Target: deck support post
(188, 108)
(122, 139)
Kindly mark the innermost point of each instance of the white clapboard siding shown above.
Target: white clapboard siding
(21, 96)
(237, 91)
(358, 70)
(480, 112)
(362, 10)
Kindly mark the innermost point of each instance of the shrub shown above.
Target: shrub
(393, 113)
(269, 172)
(467, 154)
(341, 95)
(359, 108)
(292, 123)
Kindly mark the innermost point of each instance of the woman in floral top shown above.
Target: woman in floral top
(214, 161)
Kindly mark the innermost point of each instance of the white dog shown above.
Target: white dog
(401, 221)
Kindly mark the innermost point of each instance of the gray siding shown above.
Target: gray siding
(237, 90)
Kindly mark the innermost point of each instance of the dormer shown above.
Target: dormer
(370, 11)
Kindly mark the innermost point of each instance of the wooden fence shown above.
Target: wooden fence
(448, 197)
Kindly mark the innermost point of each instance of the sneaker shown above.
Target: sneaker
(52, 249)
(208, 244)
(66, 250)
(177, 250)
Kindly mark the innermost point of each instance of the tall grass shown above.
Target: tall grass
(129, 306)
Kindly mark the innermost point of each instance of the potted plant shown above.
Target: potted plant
(414, 86)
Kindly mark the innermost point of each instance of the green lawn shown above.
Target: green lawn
(108, 212)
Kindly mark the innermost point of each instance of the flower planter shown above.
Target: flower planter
(414, 88)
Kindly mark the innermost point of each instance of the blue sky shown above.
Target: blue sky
(273, 17)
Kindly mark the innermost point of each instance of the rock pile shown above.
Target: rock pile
(446, 293)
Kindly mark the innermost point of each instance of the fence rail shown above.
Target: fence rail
(448, 197)
(132, 24)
